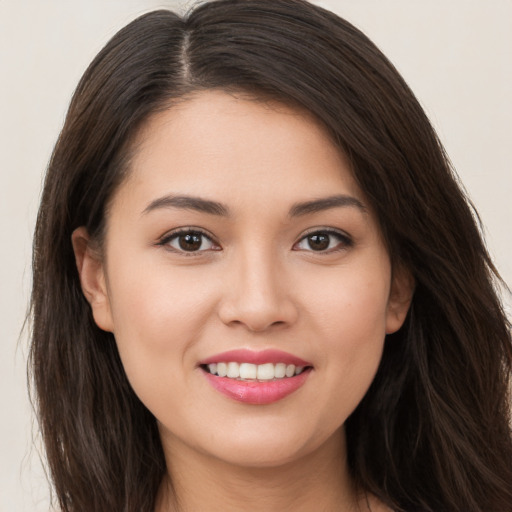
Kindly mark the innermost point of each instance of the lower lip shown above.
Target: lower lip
(257, 392)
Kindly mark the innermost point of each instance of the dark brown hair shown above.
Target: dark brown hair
(433, 433)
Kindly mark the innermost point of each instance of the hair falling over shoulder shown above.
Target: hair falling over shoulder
(433, 433)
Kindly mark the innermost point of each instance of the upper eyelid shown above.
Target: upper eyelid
(194, 229)
(328, 230)
(345, 239)
(187, 229)
(165, 242)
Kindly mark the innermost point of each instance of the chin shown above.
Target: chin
(265, 450)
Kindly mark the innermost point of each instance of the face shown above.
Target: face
(241, 244)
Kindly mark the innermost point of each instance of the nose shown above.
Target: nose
(257, 294)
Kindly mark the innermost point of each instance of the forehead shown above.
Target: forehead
(214, 143)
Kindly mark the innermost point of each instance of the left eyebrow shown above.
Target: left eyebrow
(325, 203)
(186, 202)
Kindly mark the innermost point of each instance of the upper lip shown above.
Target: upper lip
(255, 357)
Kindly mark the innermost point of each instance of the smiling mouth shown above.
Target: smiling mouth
(254, 372)
(256, 378)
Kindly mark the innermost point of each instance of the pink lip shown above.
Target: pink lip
(255, 357)
(257, 392)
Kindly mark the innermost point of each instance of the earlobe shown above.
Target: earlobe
(92, 278)
(400, 297)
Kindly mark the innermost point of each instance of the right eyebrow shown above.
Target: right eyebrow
(186, 202)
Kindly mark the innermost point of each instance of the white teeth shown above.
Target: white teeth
(222, 369)
(233, 371)
(280, 370)
(265, 371)
(248, 371)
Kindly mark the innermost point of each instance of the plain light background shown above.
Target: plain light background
(456, 55)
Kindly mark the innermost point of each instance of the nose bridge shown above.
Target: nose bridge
(257, 295)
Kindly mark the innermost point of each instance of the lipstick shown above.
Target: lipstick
(256, 357)
(273, 374)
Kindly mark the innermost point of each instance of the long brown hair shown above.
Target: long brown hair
(433, 431)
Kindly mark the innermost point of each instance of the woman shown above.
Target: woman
(257, 284)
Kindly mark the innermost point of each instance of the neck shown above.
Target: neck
(317, 481)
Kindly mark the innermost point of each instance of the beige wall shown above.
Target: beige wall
(456, 55)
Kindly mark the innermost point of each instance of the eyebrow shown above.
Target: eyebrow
(325, 203)
(199, 204)
(188, 203)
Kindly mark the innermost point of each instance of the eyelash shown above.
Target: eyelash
(175, 235)
(343, 240)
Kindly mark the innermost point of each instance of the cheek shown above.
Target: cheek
(158, 314)
(349, 317)
(351, 304)
(156, 300)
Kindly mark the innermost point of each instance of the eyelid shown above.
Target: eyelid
(346, 240)
(174, 233)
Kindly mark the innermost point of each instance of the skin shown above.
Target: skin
(255, 283)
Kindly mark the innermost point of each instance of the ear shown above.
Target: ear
(400, 297)
(92, 278)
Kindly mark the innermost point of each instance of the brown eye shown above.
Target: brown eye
(189, 241)
(323, 241)
(318, 242)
